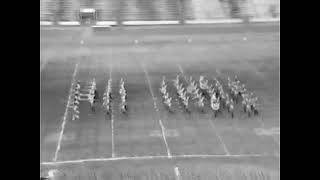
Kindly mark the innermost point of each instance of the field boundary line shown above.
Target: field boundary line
(210, 121)
(215, 21)
(182, 156)
(164, 22)
(157, 110)
(264, 20)
(65, 113)
(160, 22)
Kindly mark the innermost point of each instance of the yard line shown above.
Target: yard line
(157, 110)
(112, 120)
(65, 113)
(258, 119)
(263, 126)
(220, 139)
(183, 156)
(210, 121)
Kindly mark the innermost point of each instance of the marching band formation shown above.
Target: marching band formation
(200, 93)
(219, 99)
(107, 98)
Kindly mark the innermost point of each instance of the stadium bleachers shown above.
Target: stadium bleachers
(128, 10)
(203, 9)
(45, 13)
(107, 9)
(149, 10)
(265, 8)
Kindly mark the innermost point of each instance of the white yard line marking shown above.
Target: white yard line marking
(220, 139)
(157, 110)
(258, 119)
(217, 21)
(183, 156)
(273, 136)
(65, 113)
(112, 121)
(133, 23)
(210, 121)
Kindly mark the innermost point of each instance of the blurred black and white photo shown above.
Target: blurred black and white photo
(160, 89)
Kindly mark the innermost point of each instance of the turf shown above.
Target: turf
(210, 53)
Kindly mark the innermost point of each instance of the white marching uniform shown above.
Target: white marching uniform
(203, 83)
(186, 101)
(201, 102)
(215, 105)
(163, 89)
(190, 89)
(166, 96)
(167, 101)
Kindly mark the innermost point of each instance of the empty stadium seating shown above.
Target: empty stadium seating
(150, 10)
(127, 10)
(203, 9)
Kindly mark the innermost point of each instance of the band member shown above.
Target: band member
(223, 100)
(92, 101)
(167, 102)
(176, 81)
(76, 113)
(201, 103)
(248, 109)
(215, 105)
(254, 106)
(123, 107)
(78, 86)
(203, 83)
(244, 104)
(186, 103)
(231, 108)
(163, 89)
(190, 88)
(96, 95)
(165, 96)
(76, 101)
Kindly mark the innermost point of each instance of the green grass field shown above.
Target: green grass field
(211, 51)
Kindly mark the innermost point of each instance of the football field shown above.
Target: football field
(149, 142)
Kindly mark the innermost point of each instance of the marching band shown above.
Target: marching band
(219, 100)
